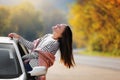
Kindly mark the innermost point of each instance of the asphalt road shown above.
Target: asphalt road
(87, 68)
(112, 63)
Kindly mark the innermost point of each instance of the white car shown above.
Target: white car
(11, 64)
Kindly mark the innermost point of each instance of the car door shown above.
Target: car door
(9, 63)
(23, 50)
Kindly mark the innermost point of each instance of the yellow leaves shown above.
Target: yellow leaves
(118, 1)
(4, 12)
(25, 8)
(96, 26)
(95, 21)
(114, 1)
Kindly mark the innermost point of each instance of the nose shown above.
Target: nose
(57, 24)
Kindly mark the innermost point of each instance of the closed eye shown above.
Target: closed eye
(59, 26)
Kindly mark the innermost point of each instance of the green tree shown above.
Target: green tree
(26, 20)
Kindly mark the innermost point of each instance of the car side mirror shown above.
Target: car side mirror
(38, 71)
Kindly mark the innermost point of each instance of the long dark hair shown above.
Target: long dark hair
(66, 48)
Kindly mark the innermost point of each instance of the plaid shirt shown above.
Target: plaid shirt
(46, 44)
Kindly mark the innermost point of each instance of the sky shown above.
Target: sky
(60, 4)
(47, 8)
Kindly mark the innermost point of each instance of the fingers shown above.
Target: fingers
(10, 35)
(13, 35)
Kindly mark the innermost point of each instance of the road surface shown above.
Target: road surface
(83, 71)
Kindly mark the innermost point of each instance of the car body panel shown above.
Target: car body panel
(16, 50)
(7, 41)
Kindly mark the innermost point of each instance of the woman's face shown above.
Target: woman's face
(59, 28)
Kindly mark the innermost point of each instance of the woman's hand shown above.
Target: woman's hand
(14, 35)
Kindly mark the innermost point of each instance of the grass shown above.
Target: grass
(97, 53)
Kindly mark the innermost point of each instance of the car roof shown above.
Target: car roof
(7, 40)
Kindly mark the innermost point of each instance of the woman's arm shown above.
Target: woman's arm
(33, 55)
(28, 44)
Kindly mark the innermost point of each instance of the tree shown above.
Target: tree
(4, 19)
(51, 15)
(27, 21)
(96, 24)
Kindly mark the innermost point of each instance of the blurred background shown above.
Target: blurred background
(95, 25)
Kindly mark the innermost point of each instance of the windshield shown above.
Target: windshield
(9, 64)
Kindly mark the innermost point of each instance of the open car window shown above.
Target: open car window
(23, 50)
(9, 64)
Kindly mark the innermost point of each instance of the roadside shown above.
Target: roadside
(103, 62)
(87, 68)
(81, 72)
(83, 51)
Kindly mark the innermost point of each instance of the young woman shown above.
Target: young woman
(44, 48)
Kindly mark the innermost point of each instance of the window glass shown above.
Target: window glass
(9, 63)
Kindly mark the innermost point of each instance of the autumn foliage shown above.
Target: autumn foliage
(96, 25)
